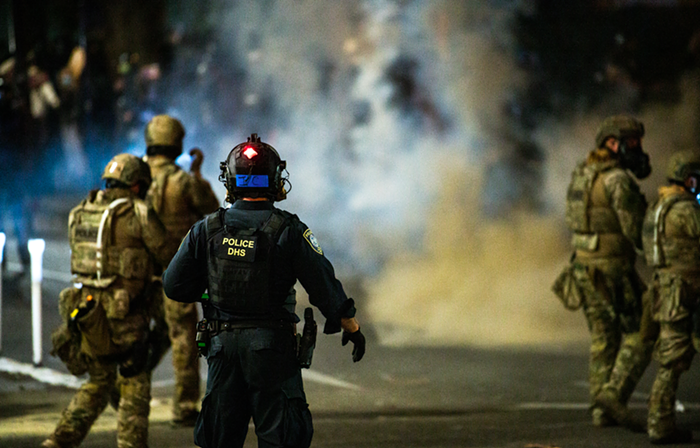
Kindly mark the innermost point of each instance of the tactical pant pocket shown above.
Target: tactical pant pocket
(671, 306)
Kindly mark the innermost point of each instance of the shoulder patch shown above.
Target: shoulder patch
(311, 239)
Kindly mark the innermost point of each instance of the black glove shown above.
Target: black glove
(358, 340)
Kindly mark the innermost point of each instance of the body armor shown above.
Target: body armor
(664, 244)
(240, 265)
(167, 193)
(95, 258)
(589, 215)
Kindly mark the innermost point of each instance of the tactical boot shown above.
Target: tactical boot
(601, 418)
(678, 436)
(49, 443)
(608, 401)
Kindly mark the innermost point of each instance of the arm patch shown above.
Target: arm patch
(311, 239)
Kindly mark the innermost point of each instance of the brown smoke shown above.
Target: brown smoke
(478, 282)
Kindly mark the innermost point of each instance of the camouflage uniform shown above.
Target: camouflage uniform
(671, 236)
(116, 241)
(180, 199)
(605, 210)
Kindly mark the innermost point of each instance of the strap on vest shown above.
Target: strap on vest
(215, 222)
(274, 226)
(660, 213)
(100, 233)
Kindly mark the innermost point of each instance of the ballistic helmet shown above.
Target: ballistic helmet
(128, 170)
(164, 135)
(619, 126)
(254, 169)
(683, 164)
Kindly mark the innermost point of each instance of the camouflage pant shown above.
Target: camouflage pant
(182, 324)
(675, 308)
(674, 352)
(618, 355)
(92, 398)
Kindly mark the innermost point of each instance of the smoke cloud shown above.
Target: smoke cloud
(389, 114)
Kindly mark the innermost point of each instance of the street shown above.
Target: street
(396, 396)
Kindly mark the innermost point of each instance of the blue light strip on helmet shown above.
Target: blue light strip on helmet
(252, 180)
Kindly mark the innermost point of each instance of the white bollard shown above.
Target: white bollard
(36, 251)
(2, 251)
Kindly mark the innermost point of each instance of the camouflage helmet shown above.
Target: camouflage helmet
(682, 164)
(128, 169)
(164, 130)
(618, 126)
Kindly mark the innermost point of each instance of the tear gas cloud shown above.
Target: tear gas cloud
(388, 114)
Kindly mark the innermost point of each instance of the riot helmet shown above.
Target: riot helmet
(254, 169)
(127, 170)
(164, 135)
(629, 132)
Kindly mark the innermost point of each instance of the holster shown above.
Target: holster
(203, 337)
(307, 341)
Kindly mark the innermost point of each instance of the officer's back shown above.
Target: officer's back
(247, 258)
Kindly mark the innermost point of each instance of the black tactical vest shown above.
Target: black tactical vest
(240, 265)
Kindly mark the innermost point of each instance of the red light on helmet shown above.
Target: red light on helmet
(249, 152)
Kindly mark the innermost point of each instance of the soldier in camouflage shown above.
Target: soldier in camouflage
(605, 210)
(180, 199)
(671, 235)
(116, 242)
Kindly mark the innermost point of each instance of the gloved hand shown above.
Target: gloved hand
(197, 158)
(358, 340)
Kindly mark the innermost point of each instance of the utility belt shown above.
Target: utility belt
(601, 245)
(216, 326)
(304, 346)
(208, 328)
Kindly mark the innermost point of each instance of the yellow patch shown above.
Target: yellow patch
(311, 239)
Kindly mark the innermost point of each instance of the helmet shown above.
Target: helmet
(682, 164)
(128, 170)
(618, 126)
(254, 169)
(164, 130)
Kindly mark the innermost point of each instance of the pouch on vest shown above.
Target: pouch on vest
(567, 290)
(578, 198)
(585, 241)
(96, 337)
(116, 303)
(134, 262)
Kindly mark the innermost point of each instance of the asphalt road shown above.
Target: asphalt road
(395, 397)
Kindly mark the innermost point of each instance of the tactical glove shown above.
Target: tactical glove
(358, 340)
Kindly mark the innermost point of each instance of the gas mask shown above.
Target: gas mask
(692, 184)
(634, 159)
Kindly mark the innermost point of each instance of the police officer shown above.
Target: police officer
(116, 241)
(605, 210)
(248, 258)
(671, 236)
(180, 199)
